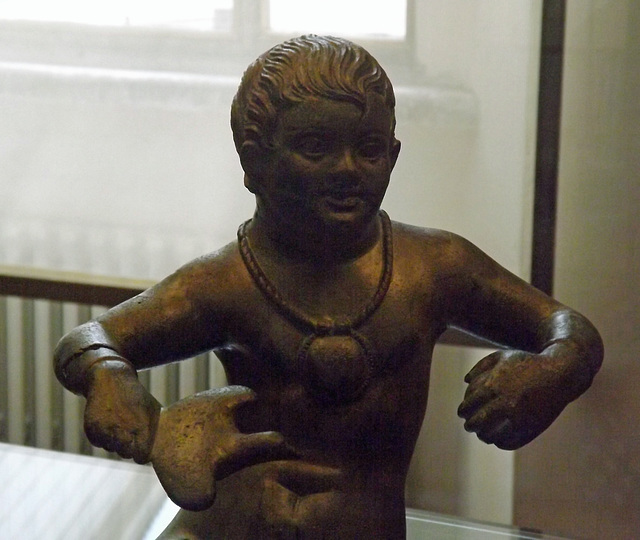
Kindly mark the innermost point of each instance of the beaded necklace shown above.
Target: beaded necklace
(336, 359)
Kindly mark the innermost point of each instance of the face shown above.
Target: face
(330, 165)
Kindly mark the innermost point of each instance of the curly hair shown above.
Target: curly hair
(320, 66)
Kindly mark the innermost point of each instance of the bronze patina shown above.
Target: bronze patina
(324, 314)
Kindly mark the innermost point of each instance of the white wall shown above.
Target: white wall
(479, 183)
(581, 478)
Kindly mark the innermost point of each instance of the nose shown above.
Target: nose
(345, 171)
(346, 161)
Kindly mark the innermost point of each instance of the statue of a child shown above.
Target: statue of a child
(328, 312)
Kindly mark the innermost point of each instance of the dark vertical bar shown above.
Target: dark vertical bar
(84, 314)
(548, 144)
(202, 372)
(29, 367)
(4, 373)
(173, 382)
(57, 398)
(145, 378)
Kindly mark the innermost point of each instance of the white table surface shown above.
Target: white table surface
(47, 495)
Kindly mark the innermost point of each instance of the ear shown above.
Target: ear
(249, 183)
(395, 150)
(253, 159)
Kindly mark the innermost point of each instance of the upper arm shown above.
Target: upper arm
(485, 299)
(178, 318)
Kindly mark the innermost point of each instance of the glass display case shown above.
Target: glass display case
(118, 162)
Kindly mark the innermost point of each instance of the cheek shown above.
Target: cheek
(299, 175)
(379, 173)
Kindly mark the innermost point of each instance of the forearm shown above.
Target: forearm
(568, 335)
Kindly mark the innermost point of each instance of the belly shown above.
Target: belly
(374, 432)
(371, 425)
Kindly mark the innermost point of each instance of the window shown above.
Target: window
(204, 15)
(384, 19)
(204, 37)
(197, 36)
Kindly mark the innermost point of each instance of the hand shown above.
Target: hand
(120, 415)
(198, 443)
(513, 396)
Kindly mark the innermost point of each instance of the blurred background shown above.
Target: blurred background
(117, 162)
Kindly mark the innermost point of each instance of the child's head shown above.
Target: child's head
(300, 68)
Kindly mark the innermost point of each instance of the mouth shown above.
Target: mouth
(343, 200)
(343, 204)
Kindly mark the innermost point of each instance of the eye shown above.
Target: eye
(312, 146)
(372, 148)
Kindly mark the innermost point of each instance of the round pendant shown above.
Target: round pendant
(337, 367)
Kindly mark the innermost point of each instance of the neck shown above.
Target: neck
(315, 245)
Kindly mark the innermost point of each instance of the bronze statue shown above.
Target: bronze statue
(325, 314)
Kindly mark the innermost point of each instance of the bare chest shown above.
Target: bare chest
(331, 332)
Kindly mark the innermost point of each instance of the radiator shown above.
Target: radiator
(34, 408)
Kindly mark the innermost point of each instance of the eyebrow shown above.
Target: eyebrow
(311, 130)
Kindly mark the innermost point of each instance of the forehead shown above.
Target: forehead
(325, 114)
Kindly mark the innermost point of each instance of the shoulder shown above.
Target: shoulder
(218, 264)
(215, 272)
(210, 281)
(444, 262)
(444, 248)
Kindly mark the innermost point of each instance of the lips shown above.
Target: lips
(344, 200)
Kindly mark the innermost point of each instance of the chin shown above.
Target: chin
(345, 223)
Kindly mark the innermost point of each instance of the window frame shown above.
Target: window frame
(141, 48)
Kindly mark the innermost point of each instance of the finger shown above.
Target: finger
(141, 447)
(234, 396)
(265, 446)
(97, 434)
(305, 478)
(225, 401)
(516, 438)
(501, 430)
(510, 441)
(92, 433)
(481, 420)
(144, 437)
(215, 407)
(191, 486)
(123, 450)
(484, 365)
(252, 449)
(119, 442)
(473, 400)
(115, 439)
(111, 440)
